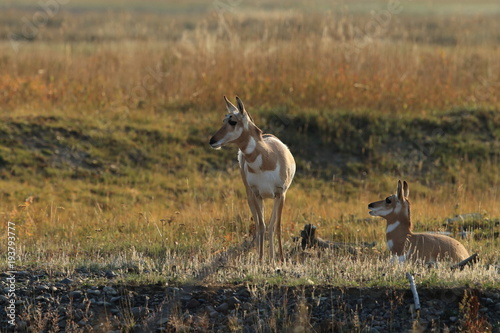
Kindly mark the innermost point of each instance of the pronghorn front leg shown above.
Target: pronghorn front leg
(279, 202)
(257, 209)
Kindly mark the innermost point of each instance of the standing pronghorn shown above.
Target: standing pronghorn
(405, 244)
(267, 168)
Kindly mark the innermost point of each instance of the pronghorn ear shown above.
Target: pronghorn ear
(230, 107)
(241, 107)
(242, 110)
(406, 190)
(399, 193)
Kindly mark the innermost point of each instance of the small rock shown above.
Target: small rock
(115, 299)
(75, 294)
(223, 308)
(250, 318)
(243, 293)
(95, 292)
(211, 311)
(138, 311)
(22, 273)
(62, 324)
(110, 291)
(233, 302)
(488, 300)
(3, 299)
(42, 287)
(423, 324)
(66, 281)
(21, 325)
(247, 306)
(81, 305)
(41, 298)
(192, 304)
(82, 322)
(163, 321)
(110, 274)
(453, 319)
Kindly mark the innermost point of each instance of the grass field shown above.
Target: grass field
(106, 112)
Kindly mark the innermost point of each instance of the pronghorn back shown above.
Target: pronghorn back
(436, 247)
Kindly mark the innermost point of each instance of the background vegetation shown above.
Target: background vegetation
(107, 109)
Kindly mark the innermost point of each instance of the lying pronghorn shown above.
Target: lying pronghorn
(267, 168)
(405, 244)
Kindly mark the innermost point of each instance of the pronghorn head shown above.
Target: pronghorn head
(234, 124)
(395, 204)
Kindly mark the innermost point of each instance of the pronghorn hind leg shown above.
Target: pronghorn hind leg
(281, 204)
(275, 226)
(270, 232)
(257, 209)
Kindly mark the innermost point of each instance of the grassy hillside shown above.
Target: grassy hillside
(434, 150)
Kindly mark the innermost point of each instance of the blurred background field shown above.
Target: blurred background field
(107, 109)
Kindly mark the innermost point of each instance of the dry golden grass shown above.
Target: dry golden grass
(192, 231)
(281, 57)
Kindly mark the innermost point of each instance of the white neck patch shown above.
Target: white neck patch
(391, 227)
(397, 210)
(250, 146)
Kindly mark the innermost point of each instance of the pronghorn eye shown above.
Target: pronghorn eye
(232, 122)
(388, 200)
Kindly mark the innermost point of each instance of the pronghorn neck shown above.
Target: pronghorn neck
(399, 228)
(249, 140)
(258, 152)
